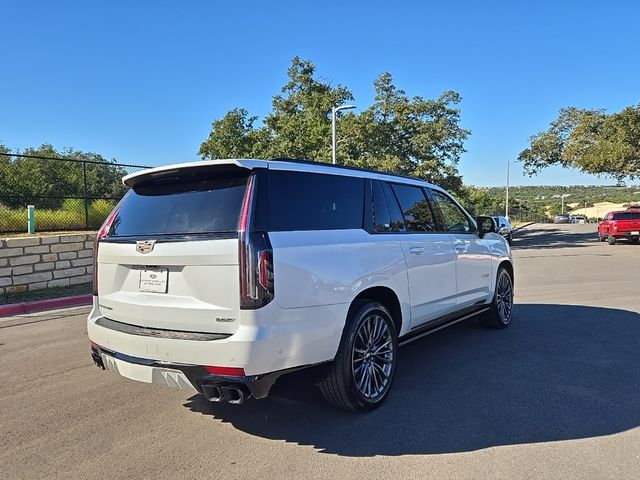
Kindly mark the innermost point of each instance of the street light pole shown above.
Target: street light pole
(334, 140)
(506, 205)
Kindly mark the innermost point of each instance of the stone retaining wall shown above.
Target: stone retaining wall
(37, 262)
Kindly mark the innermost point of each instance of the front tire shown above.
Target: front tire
(611, 240)
(362, 373)
(501, 309)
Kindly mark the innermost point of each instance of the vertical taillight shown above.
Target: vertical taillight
(255, 257)
(103, 232)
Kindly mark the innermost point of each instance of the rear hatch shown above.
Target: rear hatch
(627, 222)
(170, 257)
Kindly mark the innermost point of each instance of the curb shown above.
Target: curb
(43, 305)
(523, 226)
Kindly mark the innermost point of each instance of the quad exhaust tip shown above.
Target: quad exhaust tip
(215, 393)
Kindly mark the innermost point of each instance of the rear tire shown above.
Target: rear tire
(635, 241)
(361, 375)
(501, 310)
(611, 240)
(601, 238)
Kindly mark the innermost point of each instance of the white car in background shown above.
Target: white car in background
(222, 276)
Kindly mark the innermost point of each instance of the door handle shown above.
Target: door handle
(416, 250)
(460, 246)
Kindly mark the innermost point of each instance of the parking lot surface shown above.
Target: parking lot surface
(556, 395)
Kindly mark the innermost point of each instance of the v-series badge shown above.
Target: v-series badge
(225, 320)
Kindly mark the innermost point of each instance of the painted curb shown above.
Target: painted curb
(43, 305)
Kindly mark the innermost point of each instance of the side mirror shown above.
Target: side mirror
(486, 225)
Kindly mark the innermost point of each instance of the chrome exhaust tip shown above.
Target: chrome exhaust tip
(212, 393)
(97, 360)
(232, 395)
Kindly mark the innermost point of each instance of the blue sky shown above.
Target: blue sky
(142, 81)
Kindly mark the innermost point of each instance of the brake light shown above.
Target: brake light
(103, 232)
(255, 257)
(229, 371)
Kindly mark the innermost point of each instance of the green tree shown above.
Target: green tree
(589, 140)
(413, 136)
(24, 179)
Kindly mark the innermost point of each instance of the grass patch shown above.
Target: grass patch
(46, 293)
(71, 216)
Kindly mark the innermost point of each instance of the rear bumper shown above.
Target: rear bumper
(268, 342)
(182, 376)
(627, 235)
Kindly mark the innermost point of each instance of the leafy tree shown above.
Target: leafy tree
(25, 179)
(413, 136)
(589, 140)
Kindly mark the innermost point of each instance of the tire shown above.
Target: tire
(359, 380)
(601, 238)
(635, 241)
(611, 240)
(510, 240)
(501, 309)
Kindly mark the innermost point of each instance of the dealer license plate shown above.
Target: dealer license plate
(153, 280)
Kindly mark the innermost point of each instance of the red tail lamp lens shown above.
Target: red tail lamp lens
(230, 371)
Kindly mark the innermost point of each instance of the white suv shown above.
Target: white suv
(221, 276)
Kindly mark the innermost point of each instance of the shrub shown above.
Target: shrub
(99, 210)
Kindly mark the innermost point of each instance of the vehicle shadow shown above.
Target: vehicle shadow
(539, 238)
(560, 372)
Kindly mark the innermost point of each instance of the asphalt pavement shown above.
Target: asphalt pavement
(556, 395)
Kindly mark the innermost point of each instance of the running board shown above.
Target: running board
(440, 327)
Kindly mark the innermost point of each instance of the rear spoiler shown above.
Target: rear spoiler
(168, 173)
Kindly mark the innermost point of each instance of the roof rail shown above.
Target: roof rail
(345, 167)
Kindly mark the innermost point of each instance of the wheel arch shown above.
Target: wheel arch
(508, 266)
(383, 295)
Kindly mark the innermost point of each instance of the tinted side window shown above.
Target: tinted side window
(397, 220)
(314, 201)
(415, 208)
(626, 216)
(453, 218)
(381, 215)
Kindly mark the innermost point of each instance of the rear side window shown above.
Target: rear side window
(415, 208)
(626, 216)
(194, 207)
(314, 201)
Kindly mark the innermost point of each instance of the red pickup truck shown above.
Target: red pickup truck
(620, 224)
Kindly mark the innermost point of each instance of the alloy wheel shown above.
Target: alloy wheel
(372, 357)
(504, 298)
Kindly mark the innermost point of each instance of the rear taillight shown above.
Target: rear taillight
(255, 258)
(103, 232)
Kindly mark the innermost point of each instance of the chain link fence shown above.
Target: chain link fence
(67, 193)
(517, 216)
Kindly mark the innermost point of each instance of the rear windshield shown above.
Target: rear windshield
(192, 207)
(627, 216)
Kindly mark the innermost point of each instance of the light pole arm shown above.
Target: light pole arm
(334, 140)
